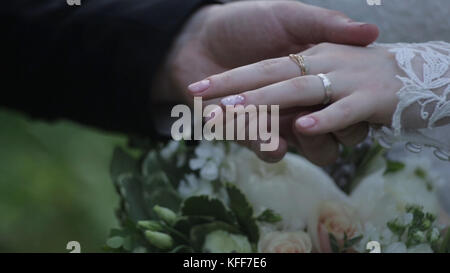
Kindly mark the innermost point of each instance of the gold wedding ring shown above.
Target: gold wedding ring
(327, 85)
(300, 61)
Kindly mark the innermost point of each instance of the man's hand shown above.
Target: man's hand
(221, 37)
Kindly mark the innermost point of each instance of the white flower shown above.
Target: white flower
(387, 237)
(381, 198)
(197, 163)
(211, 150)
(191, 185)
(434, 236)
(293, 187)
(406, 218)
(285, 242)
(169, 150)
(210, 171)
(220, 241)
(209, 157)
(228, 171)
(336, 218)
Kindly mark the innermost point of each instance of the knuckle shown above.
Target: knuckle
(334, 14)
(299, 83)
(255, 97)
(346, 111)
(219, 80)
(268, 66)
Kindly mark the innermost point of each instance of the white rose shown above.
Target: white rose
(292, 187)
(336, 218)
(285, 242)
(220, 241)
(381, 198)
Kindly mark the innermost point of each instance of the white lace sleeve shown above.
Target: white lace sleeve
(422, 117)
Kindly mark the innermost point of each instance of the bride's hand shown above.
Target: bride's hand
(363, 83)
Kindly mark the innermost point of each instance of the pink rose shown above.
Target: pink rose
(338, 219)
(285, 242)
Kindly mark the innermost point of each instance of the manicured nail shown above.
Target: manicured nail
(360, 24)
(233, 100)
(306, 122)
(200, 86)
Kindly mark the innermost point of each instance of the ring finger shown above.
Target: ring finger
(255, 76)
(300, 91)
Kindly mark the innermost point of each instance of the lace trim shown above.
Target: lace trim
(428, 89)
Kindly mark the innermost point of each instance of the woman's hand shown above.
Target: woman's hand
(363, 82)
(220, 37)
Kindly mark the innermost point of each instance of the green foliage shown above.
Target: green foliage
(345, 245)
(206, 206)
(243, 211)
(393, 166)
(445, 245)
(269, 216)
(199, 232)
(54, 185)
(421, 229)
(156, 219)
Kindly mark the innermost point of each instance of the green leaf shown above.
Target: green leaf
(445, 245)
(130, 189)
(396, 228)
(333, 243)
(132, 238)
(198, 233)
(182, 249)
(351, 242)
(371, 162)
(421, 173)
(122, 163)
(185, 223)
(151, 163)
(243, 211)
(128, 243)
(157, 190)
(115, 242)
(269, 216)
(204, 205)
(393, 166)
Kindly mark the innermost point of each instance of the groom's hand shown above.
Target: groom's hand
(221, 37)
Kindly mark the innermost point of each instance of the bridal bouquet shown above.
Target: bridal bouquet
(219, 197)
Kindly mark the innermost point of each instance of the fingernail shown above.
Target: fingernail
(360, 24)
(306, 122)
(233, 100)
(200, 86)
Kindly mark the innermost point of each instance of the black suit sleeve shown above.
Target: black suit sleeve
(91, 63)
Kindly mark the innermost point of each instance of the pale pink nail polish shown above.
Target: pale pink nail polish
(233, 100)
(306, 122)
(359, 24)
(200, 86)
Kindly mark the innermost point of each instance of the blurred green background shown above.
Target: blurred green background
(54, 185)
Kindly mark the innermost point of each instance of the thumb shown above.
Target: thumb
(311, 24)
